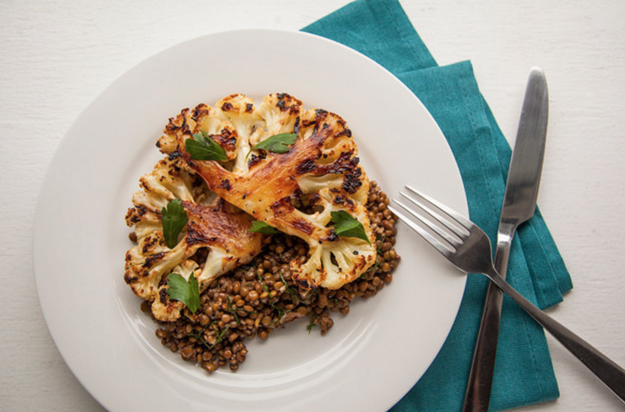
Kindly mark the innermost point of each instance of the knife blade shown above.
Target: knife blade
(518, 206)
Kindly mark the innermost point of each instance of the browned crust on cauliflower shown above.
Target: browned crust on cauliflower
(322, 165)
(216, 238)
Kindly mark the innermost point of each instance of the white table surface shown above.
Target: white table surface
(57, 56)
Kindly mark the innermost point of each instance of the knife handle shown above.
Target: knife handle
(477, 396)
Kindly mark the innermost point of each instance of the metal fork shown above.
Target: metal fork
(466, 246)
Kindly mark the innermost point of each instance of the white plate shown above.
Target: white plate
(368, 360)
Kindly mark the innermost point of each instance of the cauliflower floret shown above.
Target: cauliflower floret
(169, 310)
(320, 172)
(215, 240)
(240, 112)
(280, 114)
(233, 123)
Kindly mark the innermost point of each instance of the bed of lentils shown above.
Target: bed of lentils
(255, 299)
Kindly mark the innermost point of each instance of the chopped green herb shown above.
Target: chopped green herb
(234, 312)
(294, 294)
(311, 325)
(260, 279)
(278, 143)
(311, 295)
(264, 228)
(280, 313)
(200, 335)
(220, 337)
(203, 147)
(373, 268)
(173, 218)
(346, 225)
(379, 240)
(186, 292)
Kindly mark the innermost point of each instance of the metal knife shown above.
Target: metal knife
(518, 206)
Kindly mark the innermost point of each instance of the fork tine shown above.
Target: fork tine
(435, 228)
(461, 220)
(440, 246)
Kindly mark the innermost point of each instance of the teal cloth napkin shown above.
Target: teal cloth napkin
(523, 372)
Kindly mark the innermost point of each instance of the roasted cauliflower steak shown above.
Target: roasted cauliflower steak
(216, 238)
(294, 192)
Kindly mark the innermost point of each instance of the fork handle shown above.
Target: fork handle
(611, 374)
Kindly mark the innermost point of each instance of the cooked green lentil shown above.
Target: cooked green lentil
(255, 299)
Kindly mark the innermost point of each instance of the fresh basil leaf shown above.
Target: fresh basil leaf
(278, 143)
(203, 147)
(174, 218)
(346, 225)
(262, 227)
(183, 291)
